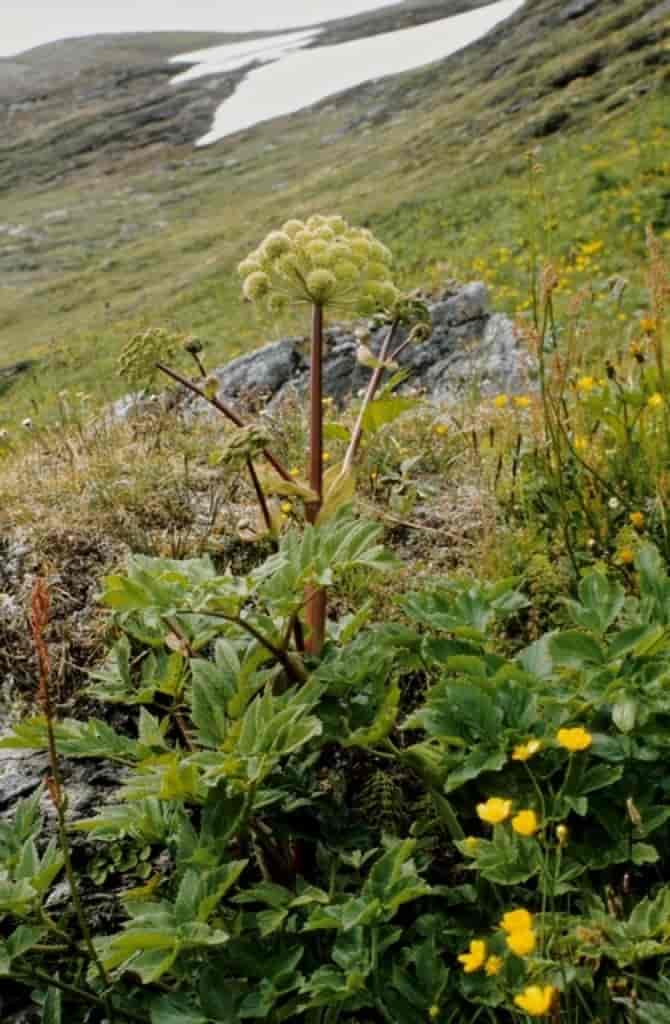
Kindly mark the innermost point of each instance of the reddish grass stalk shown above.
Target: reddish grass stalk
(40, 613)
(316, 597)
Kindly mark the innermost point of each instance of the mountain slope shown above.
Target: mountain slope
(101, 237)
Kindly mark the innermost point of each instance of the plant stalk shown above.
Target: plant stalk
(316, 608)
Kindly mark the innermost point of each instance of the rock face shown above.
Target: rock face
(470, 352)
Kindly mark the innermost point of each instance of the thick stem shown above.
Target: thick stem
(316, 597)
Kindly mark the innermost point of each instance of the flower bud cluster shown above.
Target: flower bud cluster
(322, 261)
(245, 443)
(138, 358)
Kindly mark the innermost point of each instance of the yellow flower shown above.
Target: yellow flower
(574, 739)
(648, 324)
(494, 810)
(471, 843)
(585, 384)
(655, 400)
(581, 443)
(493, 966)
(295, 471)
(637, 520)
(286, 507)
(522, 942)
(522, 401)
(326, 456)
(562, 834)
(476, 958)
(525, 823)
(536, 1001)
(524, 751)
(500, 401)
(441, 429)
(626, 556)
(517, 921)
(591, 248)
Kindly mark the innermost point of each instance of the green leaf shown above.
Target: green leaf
(385, 410)
(600, 602)
(575, 650)
(176, 1009)
(624, 714)
(52, 1008)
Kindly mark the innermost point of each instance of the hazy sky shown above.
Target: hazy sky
(27, 23)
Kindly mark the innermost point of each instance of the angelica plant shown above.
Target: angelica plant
(324, 264)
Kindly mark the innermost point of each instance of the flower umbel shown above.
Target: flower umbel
(322, 261)
(495, 810)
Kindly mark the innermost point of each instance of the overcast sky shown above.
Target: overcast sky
(27, 23)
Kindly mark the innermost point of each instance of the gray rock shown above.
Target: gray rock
(470, 351)
(577, 9)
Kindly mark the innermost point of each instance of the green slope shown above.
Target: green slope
(435, 161)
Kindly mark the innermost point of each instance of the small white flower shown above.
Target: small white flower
(27, 423)
(613, 503)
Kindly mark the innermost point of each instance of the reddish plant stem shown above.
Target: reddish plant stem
(39, 621)
(316, 596)
(225, 410)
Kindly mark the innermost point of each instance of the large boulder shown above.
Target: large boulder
(471, 351)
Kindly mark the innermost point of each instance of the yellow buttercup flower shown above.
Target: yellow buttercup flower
(495, 810)
(286, 507)
(626, 556)
(574, 739)
(655, 400)
(581, 443)
(637, 520)
(441, 429)
(475, 958)
(536, 1000)
(522, 401)
(525, 823)
(586, 384)
(500, 401)
(517, 921)
(521, 942)
(493, 966)
(648, 324)
(524, 751)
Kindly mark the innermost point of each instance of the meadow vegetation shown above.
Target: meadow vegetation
(452, 806)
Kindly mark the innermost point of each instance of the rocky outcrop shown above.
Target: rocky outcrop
(471, 351)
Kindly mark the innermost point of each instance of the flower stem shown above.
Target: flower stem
(316, 596)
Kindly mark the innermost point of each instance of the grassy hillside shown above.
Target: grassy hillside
(436, 161)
